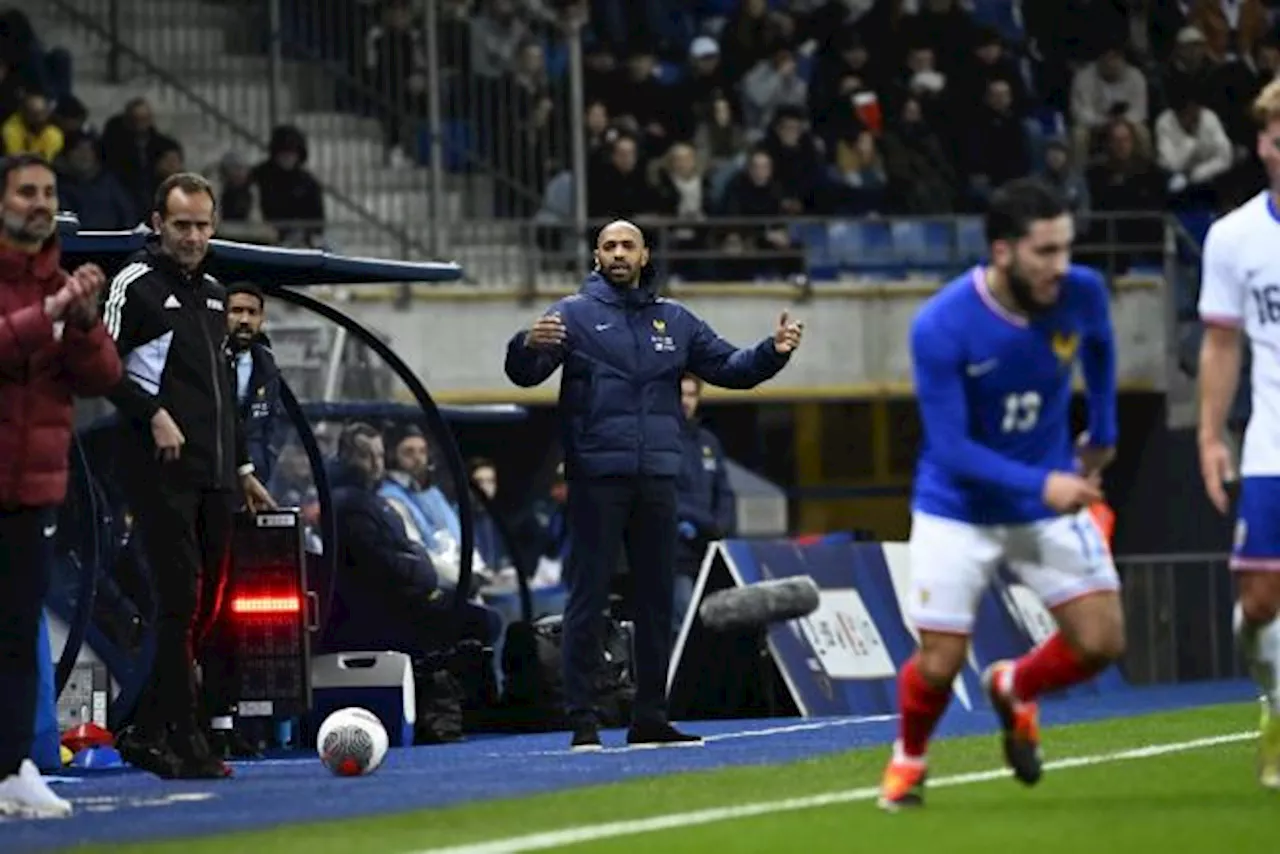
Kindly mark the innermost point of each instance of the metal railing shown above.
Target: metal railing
(417, 126)
(804, 252)
(1178, 610)
(211, 70)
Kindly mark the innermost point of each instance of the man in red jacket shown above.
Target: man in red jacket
(53, 346)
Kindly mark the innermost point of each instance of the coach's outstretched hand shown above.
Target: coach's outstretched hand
(547, 332)
(787, 337)
(1067, 493)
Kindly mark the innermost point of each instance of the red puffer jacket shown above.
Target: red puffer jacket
(40, 369)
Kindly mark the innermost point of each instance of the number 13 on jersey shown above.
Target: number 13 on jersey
(1021, 412)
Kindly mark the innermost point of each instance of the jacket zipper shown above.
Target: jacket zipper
(632, 315)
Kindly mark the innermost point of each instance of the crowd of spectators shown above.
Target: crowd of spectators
(785, 108)
(108, 174)
(755, 109)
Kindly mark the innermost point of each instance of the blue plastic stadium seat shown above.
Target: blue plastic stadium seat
(804, 67)
(862, 246)
(455, 140)
(971, 240)
(998, 14)
(669, 73)
(939, 242)
(557, 55)
(1053, 123)
(924, 244)
(819, 260)
(908, 242)
(1196, 223)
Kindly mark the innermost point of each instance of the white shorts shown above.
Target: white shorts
(952, 563)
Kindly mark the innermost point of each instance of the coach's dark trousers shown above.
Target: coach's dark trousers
(186, 537)
(26, 563)
(606, 514)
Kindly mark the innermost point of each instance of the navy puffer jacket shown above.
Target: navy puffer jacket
(623, 358)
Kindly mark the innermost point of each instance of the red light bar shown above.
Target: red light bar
(266, 605)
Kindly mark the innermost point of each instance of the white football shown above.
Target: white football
(352, 742)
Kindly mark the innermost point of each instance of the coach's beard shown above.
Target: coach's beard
(622, 275)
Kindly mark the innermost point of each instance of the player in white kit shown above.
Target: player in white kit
(1240, 290)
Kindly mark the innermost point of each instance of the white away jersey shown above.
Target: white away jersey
(1240, 287)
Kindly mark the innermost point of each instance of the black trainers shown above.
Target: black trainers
(148, 752)
(197, 758)
(586, 738)
(232, 744)
(660, 734)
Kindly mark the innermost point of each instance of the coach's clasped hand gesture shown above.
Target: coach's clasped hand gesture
(548, 332)
(77, 299)
(787, 337)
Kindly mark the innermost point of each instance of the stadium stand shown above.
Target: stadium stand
(867, 111)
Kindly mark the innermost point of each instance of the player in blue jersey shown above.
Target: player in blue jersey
(1000, 480)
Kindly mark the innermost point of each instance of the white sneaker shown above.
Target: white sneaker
(27, 795)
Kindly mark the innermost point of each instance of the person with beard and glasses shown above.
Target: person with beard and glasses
(257, 379)
(999, 480)
(53, 346)
(705, 501)
(183, 460)
(624, 349)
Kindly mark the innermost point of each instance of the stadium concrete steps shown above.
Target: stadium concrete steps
(345, 150)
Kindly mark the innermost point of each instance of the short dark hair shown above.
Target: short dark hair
(1016, 205)
(14, 162)
(187, 182)
(351, 434)
(480, 463)
(247, 288)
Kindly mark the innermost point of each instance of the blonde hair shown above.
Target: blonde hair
(1266, 107)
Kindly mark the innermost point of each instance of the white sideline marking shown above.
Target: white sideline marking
(710, 739)
(614, 829)
(827, 723)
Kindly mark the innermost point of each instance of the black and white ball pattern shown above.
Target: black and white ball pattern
(348, 750)
(352, 742)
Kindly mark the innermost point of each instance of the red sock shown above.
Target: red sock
(922, 705)
(1049, 667)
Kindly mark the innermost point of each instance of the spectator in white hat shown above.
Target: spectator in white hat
(703, 83)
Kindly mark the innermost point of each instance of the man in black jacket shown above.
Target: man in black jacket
(256, 378)
(183, 460)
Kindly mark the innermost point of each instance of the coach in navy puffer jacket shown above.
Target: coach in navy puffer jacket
(623, 359)
(624, 351)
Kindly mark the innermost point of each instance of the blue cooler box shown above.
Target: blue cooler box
(380, 682)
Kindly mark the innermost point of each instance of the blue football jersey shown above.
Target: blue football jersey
(994, 393)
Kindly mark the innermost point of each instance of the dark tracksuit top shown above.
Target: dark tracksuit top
(704, 498)
(620, 394)
(622, 426)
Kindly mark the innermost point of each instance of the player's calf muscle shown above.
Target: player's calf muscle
(941, 657)
(1094, 627)
(1259, 595)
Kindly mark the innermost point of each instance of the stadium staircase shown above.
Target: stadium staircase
(209, 83)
